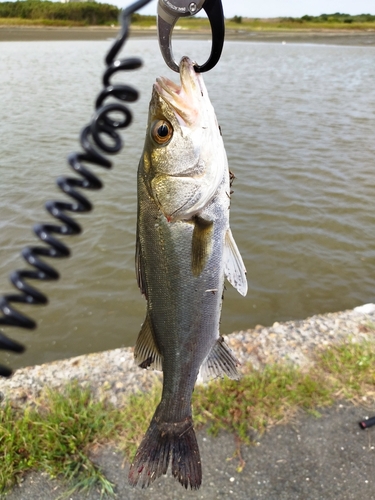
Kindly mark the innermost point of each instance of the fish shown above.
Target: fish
(184, 251)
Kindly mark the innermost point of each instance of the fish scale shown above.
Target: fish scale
(184, 250)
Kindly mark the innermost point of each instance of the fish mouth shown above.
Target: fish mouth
(186, 99)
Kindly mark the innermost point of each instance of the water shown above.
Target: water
(298, 123)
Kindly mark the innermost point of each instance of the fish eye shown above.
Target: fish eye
(162, 132)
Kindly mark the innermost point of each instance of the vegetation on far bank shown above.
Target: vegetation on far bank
(324, 22)
(60, 434)
(45, 12)
(335, 21)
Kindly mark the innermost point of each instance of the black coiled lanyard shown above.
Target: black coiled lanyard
(93, 148)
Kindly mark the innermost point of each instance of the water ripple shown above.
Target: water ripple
(298, 122)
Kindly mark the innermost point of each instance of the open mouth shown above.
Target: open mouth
(185, 99)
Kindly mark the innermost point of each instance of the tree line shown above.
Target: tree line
(90, 13)
(337, 17)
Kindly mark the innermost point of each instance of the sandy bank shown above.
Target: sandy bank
(39, 33)
(112, 374)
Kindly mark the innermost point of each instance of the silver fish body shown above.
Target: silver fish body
(184, 250)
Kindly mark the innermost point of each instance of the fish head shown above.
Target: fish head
(184, 159)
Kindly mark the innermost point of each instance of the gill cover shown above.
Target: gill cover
(184, 154)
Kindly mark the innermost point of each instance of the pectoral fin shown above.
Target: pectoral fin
(139, 268)
(146, 352)
(219, 362)
(201, 246)
(234, 267)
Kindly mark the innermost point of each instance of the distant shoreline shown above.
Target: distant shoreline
(43, 33)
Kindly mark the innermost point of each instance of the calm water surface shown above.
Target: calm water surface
(298, 124)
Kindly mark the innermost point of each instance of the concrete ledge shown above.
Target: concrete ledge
(113, 375)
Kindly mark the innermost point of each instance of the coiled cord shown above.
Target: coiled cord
(93, 143)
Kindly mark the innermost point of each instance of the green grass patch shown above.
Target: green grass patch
(352, 367)
(290, 24)
(262, 399)
(336, 21)
(58, 435)
(17, 21)
(55, 438)
(37, 12)
(247, 24)
(259, 400)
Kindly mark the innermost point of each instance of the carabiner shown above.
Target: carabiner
(169, 11)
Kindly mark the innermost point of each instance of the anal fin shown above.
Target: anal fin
(219, 362)
(146, 353)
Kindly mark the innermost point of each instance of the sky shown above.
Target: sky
(278, 8)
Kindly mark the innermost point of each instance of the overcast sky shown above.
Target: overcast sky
(276, 8)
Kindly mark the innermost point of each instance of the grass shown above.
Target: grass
(17, 21)
(262, 399)
(290, 24)
(202, 23)
(59, 434)
(55, 438)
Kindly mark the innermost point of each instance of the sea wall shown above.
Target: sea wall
(112, 374)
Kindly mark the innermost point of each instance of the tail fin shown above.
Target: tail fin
(162, 441)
